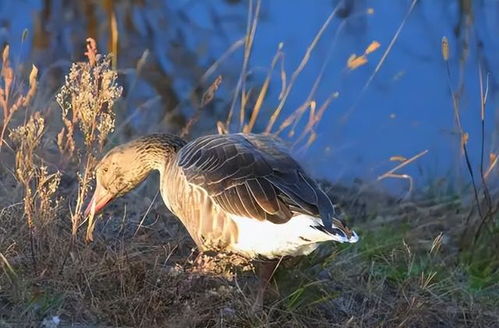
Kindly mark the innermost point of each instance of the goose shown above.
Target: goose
(236, 193)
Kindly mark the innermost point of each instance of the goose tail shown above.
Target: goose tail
(338, 231)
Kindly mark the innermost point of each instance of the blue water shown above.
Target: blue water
(405, 110)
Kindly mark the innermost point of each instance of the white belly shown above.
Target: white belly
(264, 238)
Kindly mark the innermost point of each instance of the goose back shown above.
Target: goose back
(253, 176)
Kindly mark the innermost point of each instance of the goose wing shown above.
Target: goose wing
(253, 176)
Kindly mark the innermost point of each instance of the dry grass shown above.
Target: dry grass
(86, 101)
(10, 101)
(405, 272)
(411, 268)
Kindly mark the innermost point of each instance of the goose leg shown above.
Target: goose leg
(265, 272)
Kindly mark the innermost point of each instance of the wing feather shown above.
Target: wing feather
(253, 176)
(264, 193)
(250, 205)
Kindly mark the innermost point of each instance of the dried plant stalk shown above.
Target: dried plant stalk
(306, 57)
(11, 106)
(248, 46)
(39, 186)
(392, 173)
(86, 102)
(207, 98)
(263, 92)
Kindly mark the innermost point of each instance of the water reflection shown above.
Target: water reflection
(163, 50)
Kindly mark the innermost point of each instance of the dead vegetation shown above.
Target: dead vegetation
(415, 266)
(86, 101)
(406, 272)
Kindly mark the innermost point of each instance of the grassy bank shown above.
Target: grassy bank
(429, 261)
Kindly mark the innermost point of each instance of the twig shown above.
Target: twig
(236, 45)
(314, 119)
(32, 249)
(145, 214)
(263, 91)
(457, 117)
(404, 163)
(483, 103)
(207, 97)
(391, 173)
(67, 253)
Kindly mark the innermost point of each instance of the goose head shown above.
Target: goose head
(119, 171)
(124, 167)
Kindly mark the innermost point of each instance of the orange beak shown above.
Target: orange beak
(99, 200)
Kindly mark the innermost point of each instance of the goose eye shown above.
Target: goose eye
(105, 170)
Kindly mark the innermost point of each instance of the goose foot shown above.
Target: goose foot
(265, 271)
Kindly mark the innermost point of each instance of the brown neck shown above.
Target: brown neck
(156, 150)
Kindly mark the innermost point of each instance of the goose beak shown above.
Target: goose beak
(99, 200)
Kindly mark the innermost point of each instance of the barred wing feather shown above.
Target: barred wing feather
(252, 176)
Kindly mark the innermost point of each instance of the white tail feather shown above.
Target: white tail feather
(299, 236)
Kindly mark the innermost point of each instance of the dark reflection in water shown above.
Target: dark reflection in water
(164, 51)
